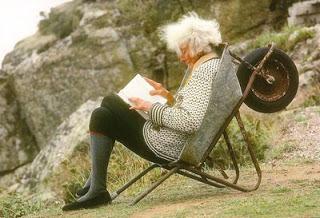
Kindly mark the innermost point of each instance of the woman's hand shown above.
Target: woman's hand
(159, 90)
(140, 104)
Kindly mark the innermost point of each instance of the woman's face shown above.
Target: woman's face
(185, 55)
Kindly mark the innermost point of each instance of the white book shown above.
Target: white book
(139, 87)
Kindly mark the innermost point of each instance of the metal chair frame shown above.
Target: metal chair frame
(196, 172)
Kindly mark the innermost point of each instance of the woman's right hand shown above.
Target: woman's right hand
(160, 90)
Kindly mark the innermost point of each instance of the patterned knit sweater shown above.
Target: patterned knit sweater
(169, 127)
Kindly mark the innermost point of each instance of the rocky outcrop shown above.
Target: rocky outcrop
(17, 144)
(307, 60)
(50, 85)
(72, 133)
(305, 13)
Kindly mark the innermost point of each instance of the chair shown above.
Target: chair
(223, 106)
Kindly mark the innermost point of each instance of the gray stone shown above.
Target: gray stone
(17, 145)
(90, 13)
(52, 84)
(304, 13)
(70, 134)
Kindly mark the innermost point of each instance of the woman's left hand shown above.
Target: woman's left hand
(140, 104)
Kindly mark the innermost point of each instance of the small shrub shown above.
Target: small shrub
(60, 23)
(286, 39)
(14, 205)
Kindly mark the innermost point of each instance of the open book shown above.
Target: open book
(139, 87)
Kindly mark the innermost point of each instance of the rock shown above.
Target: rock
(50, 85)
(72, 133)
(306, 13)
(17, 145)
(309, 80)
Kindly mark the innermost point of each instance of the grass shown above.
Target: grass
(14, 205)
(181, 197)
(281, 204)
(286, 39)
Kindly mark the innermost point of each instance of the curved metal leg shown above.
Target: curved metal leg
(155, 185)
(232, 155)
(136, 178)
(202, 179)
(225, 182)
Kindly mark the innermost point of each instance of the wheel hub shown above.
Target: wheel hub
(275, 88)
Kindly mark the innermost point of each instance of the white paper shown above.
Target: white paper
(139, 87)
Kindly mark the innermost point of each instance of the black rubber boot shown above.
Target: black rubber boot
(101, 199)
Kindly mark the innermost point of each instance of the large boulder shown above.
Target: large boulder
(17, 145)
(67, 138)
(49, 85)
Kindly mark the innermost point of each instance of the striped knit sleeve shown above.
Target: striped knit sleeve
(156, 113)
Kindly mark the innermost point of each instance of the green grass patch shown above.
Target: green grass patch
(15, 205)
(284, 205)
(281, 189)
(286, 39)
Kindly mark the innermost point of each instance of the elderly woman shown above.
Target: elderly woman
(161, 137)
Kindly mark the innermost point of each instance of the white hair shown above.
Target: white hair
(197, 33)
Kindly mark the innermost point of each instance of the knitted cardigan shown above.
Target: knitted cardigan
(169, 127)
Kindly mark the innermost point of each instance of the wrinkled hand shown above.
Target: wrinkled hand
(158, 88)
(140, 104)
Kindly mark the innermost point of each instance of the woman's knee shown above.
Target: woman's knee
(100, 117)
(108, 100)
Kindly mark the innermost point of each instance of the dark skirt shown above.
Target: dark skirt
(114, 119)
